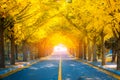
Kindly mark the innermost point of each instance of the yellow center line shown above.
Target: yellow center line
(60, 70)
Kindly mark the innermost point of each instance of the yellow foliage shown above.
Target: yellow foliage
(44, 17)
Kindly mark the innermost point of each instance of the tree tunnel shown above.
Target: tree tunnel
(36, 26)
(71, 43)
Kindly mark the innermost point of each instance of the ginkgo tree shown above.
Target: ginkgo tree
(93, 12)
(6, 20)
(114, 12)
(12, 12)
(19, 11)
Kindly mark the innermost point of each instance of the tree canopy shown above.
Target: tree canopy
(60, 21)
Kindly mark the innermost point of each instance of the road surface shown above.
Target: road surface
(59, 67)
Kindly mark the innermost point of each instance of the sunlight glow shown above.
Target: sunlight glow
(60, 48)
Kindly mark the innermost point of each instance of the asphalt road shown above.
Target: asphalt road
(75, 70)
(49, 70)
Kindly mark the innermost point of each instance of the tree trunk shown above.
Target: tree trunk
(25, 56)
(113, 55)
(89, 51)
(8, 51)
(103, 49)
(2, 55)
(103, 56)
(39, 51)
(85, 48)
(80, 50)
(118, 60)
(118, 56)
(31, 56)
(12, 60)
(16, 52)
(94, 52)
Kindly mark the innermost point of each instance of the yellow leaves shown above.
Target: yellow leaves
(58, 38)
(108, 32)
(88, 15)
(34, 1)
(117, 16)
